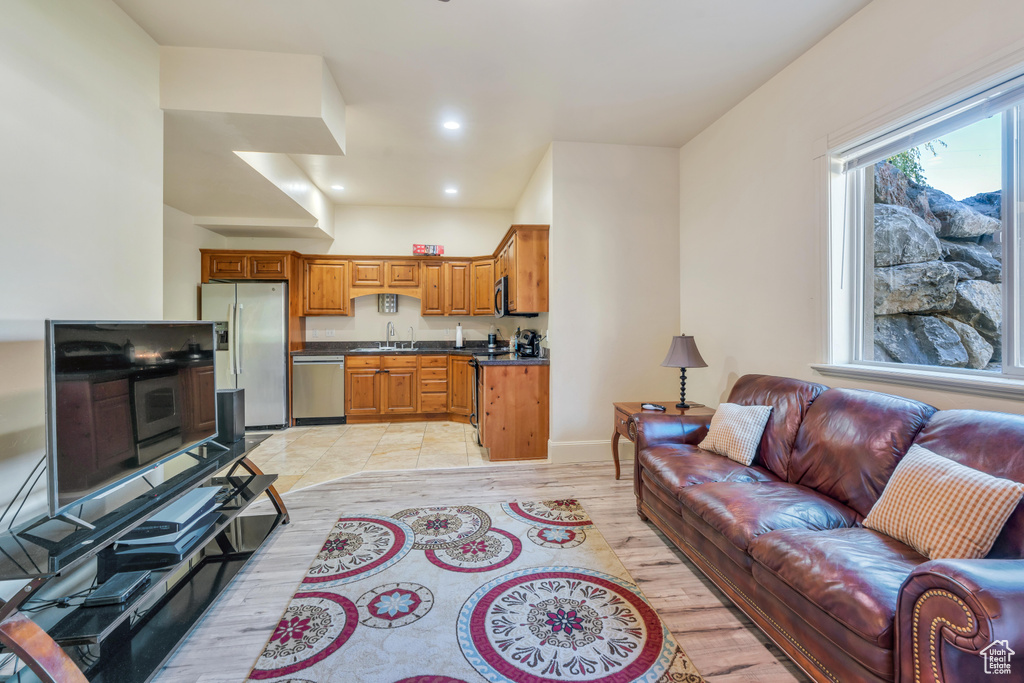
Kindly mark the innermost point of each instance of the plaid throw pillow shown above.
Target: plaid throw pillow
(735, 431)
(942, 509)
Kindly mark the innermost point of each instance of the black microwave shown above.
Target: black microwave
(501, 301)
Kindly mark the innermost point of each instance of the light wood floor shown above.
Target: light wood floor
(717, 637)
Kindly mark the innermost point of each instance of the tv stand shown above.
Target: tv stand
(129, 642)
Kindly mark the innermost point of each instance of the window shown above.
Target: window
(925, 245)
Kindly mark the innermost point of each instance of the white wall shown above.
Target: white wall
(614, 287)
(183, 269)
(535, 205)
(81, 167)
(752, 247)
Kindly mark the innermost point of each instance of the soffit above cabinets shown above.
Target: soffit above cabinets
(231, 120)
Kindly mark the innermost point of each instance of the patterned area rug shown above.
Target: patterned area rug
(526, 592)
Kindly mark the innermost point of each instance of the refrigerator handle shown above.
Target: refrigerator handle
(232, 328)
(238, 336)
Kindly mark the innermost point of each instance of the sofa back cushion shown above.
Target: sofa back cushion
(789, 399)
(992, 443)
(850, 442)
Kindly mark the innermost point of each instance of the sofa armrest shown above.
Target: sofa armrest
(649, 429)
(950, 610)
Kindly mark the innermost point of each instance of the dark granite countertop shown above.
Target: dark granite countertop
(475, 348)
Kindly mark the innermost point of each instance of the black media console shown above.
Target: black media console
(64, 641)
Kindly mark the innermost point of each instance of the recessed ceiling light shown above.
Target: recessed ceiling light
(450, 190)
(452, 125)
(337, 187)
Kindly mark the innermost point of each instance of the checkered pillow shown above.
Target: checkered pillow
(942, 509)
(735, 431)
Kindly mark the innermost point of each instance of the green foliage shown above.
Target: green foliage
(909, 161)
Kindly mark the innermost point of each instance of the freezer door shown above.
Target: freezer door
(261, 359)
(218, 304)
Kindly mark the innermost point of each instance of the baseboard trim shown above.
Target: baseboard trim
(588, 451)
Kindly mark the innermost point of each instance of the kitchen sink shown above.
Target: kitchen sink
(382, 349)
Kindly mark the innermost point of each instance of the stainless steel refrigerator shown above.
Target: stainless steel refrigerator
(252, 345)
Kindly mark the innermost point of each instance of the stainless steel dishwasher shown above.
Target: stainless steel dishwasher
(318, 390)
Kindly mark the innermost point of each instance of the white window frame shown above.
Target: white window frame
(849, 275)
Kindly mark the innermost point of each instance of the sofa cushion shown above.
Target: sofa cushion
(675, 467)
(992, 443)
(850, 441)
(852, 575)
(789, 399)
(743, 511)
(736, 431)
(943, 509)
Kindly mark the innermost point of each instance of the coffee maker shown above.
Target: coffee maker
(529, 343)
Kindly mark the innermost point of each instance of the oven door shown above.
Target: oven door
(157, 404)
(501, 297)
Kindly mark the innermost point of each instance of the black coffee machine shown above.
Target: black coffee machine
(529, 343)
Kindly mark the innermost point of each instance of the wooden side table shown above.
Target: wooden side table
(623, 411)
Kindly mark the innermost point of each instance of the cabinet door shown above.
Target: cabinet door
(457, 288)
(362, 391)
(112, 423)
(200, 401)
(432, 297)
(460, 385)
(402, 273)
(229, 266)
(483, 287)
(268, 266)
(326, 290)
(367, 273)
(399, 391)
(513, 273)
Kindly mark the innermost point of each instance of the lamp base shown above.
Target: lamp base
(690, 405)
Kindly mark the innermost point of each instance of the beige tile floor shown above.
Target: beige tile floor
(303, 456)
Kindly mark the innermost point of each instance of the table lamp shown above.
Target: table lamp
(683, 354)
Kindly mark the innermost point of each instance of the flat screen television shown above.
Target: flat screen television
(122, 398)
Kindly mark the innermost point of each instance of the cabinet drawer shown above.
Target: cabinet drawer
(432, 385)
(434, 403)
(433, 361)
(118, 387)
(229, 266)
(403, 273)
(399, 361)
(622, 423)
(362, 361)
(434, 373)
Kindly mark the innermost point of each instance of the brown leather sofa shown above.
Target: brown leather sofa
(783, 538)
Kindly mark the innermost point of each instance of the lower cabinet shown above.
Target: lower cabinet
(378, 387)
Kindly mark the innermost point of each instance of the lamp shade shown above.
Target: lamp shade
(683, 354)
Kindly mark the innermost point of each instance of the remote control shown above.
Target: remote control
(652, 406)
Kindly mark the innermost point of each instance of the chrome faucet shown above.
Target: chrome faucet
(389, 332)
(412, 337)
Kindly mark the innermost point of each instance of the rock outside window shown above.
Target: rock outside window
(925, 238)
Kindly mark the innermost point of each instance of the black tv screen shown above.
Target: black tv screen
(123, 397)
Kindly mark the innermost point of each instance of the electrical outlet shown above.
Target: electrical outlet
(447, 332)
(316, 333)
(329, 333)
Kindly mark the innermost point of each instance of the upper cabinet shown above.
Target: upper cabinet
(523, 257)
(402, 273)
(242, 265)
(367, 274)
(432, 291)
(326, 287)
(458, 299)
(482, 276)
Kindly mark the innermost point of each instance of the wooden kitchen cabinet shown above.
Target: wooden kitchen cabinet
(240, 265)
(400, 387)
(268, 266)
(402, 273)
(457, 288)
(434, 384)
(482, 290)
(460, 385)
(326, 289)
(514, 411)
(362, 386)
(523, 258)
(432, 290)
(229, 266)
(367, 273)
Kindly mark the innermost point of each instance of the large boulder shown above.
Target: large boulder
(902, 237)
(987, 203)
(975, 255)
(965, 271)
(918, 339)
(890, 185)
(979, 351)
(980, 305)
(917, 201)
(915, 288)
(957, 219)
